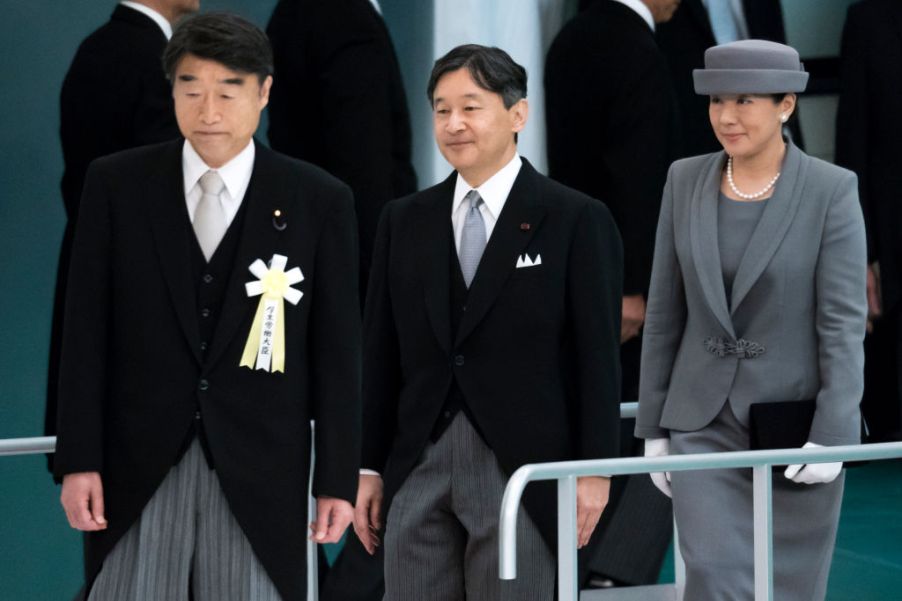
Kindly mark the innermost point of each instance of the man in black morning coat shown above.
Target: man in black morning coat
(335, 60)
(492, 329)
(610, 122)
(158, 328)
(868, 127)
(114, 97)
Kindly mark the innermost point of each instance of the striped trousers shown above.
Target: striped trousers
(441, 537)
(185, 540)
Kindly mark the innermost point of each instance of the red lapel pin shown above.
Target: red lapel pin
(524, 227)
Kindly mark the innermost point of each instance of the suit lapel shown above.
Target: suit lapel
(259, 240)
(508, 242)
(703, 236)
(771, 229)
(170, 224)
(435, 239)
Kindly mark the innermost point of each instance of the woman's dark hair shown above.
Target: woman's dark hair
(491, 68)
(224, 38)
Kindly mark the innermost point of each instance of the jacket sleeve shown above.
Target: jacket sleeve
(841, 318)
(381, 356)
(83, 360)
(595, 290)
(665, 320)
(335, 353)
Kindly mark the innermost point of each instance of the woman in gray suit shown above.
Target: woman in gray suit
(757, 296)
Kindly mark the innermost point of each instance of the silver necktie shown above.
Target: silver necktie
(472, 239)
(209, 218)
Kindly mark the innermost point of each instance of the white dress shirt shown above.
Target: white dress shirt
(643, 11)
(159, 19)
(494, 192)
(236, 175)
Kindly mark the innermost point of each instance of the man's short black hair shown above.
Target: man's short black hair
(491, 68)
(223, 37)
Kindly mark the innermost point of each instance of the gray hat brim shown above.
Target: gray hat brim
(748, 81)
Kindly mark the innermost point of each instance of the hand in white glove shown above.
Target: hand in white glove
(659, 447)
(813, 473)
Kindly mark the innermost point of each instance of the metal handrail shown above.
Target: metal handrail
(566, 473)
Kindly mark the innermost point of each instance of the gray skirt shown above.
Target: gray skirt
(713, 511)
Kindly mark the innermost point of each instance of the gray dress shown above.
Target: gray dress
(716, 534)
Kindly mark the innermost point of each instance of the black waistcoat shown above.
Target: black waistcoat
(210, 281)
(456, 400)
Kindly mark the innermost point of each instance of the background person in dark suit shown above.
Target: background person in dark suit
(335, 62)
(184, 429)
(696, 26)
(492, 329)
(115, 96)
(868, 127)
(610, 135)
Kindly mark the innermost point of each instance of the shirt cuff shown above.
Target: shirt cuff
(366, 472)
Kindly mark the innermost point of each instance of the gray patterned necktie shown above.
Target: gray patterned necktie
(472, 239)
(209, 218)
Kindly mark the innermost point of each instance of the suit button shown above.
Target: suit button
(204, 346)
(464, 308)
(197, 415)
(208, 279)
(447, 414)
(203, 385)
(459, 360)
(205, 312)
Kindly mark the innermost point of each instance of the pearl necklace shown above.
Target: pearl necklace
(740, 194)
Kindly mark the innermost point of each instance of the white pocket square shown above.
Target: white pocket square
(524, 261)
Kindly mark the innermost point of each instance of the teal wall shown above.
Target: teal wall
(40, 557)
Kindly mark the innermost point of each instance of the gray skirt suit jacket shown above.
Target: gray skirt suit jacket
(795, 322)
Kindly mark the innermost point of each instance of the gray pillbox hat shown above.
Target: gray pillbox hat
(750, 67)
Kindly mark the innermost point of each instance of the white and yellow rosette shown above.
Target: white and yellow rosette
(265, 347)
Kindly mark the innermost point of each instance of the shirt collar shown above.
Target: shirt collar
(494, 191)
(640, 9)
(236, 174)
(375, 4)
(159, 19)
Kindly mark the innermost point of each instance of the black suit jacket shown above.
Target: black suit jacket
(868, 128)
(338, 101)
(115, 96)
(536, 351)
(610, 123)
(684, 40)
(132, 375)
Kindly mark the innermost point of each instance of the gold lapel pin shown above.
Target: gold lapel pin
(278, 220)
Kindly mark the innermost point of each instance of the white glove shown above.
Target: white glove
(659, 447)
(813, 473)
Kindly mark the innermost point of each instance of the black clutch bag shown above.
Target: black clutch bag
(783, 425)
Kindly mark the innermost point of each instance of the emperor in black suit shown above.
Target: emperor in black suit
(525, 355)
(124, 53)
(155, 333)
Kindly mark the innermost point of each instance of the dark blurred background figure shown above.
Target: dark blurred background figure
(696, 26)
(115, 96)
(339, 103)
(610, 124)
(868, 129)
